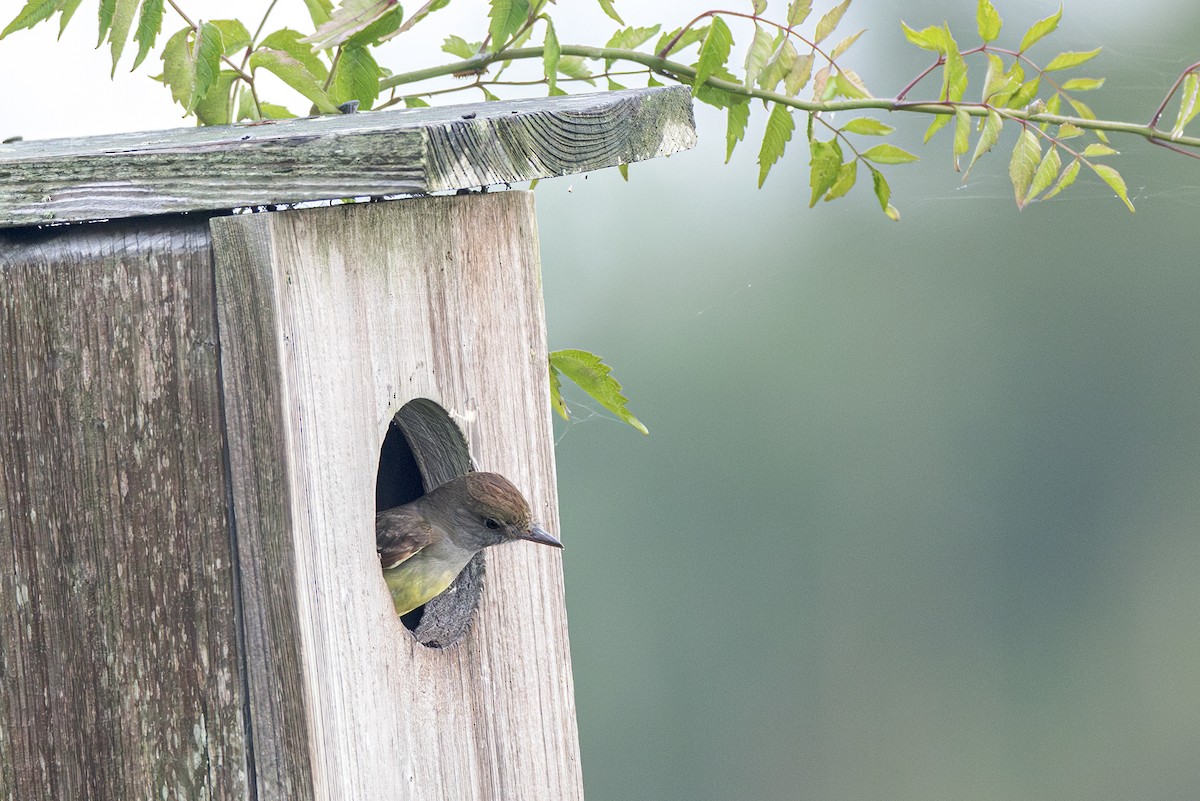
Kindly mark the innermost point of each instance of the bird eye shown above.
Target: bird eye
(491, 523)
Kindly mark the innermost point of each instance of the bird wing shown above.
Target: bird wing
(400, 533)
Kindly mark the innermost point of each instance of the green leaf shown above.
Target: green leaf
(556, 399)
(825, 165)
(798, 75)
(714, 53)
(118, 32)
(595, 378)
(412, 101)
(735, 128)
(1069, 131)
(779, 132)
(689, 37)
(272, 111)
(828, 23)
(883, 193)
(1064, 61)
(1045, 174)
(757, 55)
(1053, 106)
(1064, 180)
(848, 84)
(867, 126)
(507, 17)
(1025, 94)
(962, 133)
(1082, 84)
(821, 84)
(1021, 167)
(1114, 180)
(351, 17)
(783, 56)
(234, 35)
(847, 175)
(573, 67)
(357, 78)
(191, 64)
(844, 45)
(798, 11)
(1039, 29)
(206, 50)
(292, 43)
(931, 38)
(35, 11)
(997, 81)
(624, 170)
(939, 122)
(632, 38)
(382, 29)
(1085, 111)
(988, 21)
(759, 6)
(1188, 107)
(214, 108)
(177, 67)
(148, 28)
(611, 12)
(987, 138)
(246, 109)
(888, 154)
(105, 15)
(629, 39)
(954, 74)
(551, 53)
(1096, 149)
(67, 10)
(319, 11)
(293, 72)
(458, 46)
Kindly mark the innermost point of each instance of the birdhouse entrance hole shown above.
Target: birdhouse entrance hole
(423, 449)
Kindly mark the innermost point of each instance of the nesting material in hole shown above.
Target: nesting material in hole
(424, 449)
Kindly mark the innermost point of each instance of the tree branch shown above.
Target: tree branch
(685, 74)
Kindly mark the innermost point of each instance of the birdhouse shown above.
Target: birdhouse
(210, 383)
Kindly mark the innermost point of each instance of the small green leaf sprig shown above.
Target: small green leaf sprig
(595, 378)
(1011, 93)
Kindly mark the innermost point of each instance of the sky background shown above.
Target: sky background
(919, 514)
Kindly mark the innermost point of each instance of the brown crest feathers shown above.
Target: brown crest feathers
(495, 496)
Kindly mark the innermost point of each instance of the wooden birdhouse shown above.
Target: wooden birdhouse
(207, 390)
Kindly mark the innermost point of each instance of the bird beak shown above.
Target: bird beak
(539, 535)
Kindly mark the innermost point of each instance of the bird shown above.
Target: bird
(423, 545)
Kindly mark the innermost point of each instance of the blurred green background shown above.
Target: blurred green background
(918, 516)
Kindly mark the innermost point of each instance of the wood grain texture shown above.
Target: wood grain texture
(374, 153)
(260, 517)
(375, 305)
(119, 671)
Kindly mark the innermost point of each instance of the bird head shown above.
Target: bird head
(490, 510)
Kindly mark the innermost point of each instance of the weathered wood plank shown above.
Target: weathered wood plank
(119, 674)
(261, 515)
(372, 306)
(322, 158)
